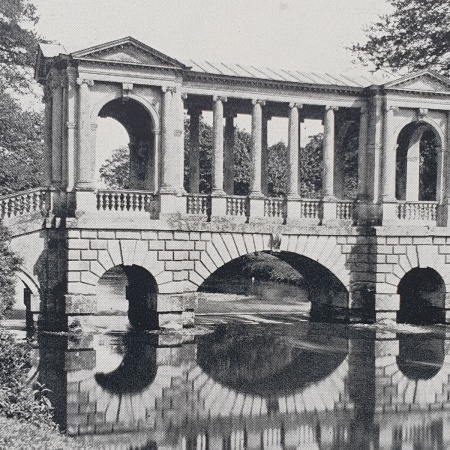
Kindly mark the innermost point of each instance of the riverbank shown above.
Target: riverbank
(25, 412)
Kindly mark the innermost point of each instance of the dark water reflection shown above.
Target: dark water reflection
(281, 386)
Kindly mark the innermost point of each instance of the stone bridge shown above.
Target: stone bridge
(375, 251)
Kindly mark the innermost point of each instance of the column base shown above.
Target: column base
(86, 201)
(171, 203)
(256, 206)
(329, 210)
(389, 212)
(218, 204)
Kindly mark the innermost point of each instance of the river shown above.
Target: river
(254, 373)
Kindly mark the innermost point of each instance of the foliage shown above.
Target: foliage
(311, 167)
(115, 172)
(277, 159)
(17, 400)
(416, 35)
(18, 43)
(428, 167)
(9, 263)
(21, 146)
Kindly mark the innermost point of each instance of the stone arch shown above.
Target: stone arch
(141, 122)
(28, 281)
(409, 138)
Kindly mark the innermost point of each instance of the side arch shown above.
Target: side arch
(425, 120)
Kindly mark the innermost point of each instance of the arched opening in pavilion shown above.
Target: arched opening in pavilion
(126, 145)
(132, 290)
(422, 297)
(418, 146)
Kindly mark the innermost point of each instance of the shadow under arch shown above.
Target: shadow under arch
(141, 293)
(138, 122)
(422, 297)
(269, 364)
(138, 368)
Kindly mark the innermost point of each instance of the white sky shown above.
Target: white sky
(308, 35)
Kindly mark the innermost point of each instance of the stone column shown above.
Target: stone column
(48, 135)
(228, 158)
(57, 128)
(389, 167)
(362, 213)
(413, 166)
(329, 200)
(217, 160)
(71, 127)
(443, 217)
(85, 157)
(255, 188)
(265, 154)
(294, 141)
(194, 166)
(178, 116)
(328, 152)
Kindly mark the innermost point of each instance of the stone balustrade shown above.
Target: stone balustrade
(20, 203)
(238, 206)
(125, 200)
(198, 204)
(417, 211)
(310, 209)
(275, 207)
(344, 210)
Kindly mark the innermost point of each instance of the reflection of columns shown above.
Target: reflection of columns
(217, 157)
(71, 126)
(389, 158)
(265, 154)
(57, 129)
(362, 153)
(48, 136)
(328, 152)
(228, 157)
(194, 150)
(255, 182)
(86, 155)
(294, 139)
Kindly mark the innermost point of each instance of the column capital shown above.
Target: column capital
(87, 82)
(184, 95)
(331, 108)
(217, 98)
(257, 101)
(391, 108)
(171, 89)
(295, 105)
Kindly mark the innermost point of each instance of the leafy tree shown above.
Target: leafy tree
(21, 146)
(115, 172)
(277, 168)
(18, 43)
(416, 35)
(9, 263)
(311, 167)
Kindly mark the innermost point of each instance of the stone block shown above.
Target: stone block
(249, 243)
(127, 248)
(386, 348)
(165, 235)
(97, 244)
(156, 245)
(91, 234)
(180, 245)
(96, 268)
(392, 240)
(89, 278)
(76, 234)
(221, 247)
(194, 236)
(106, 235)
(73, 276)
(74, 255)
(194, 277)
(205, 236)
(200, 245)
(181, 235)
(422, 240)
(78, 265)
(149, 235)
(188, 319)
(194, 255)
(179, 265)
(387, 302)
(202, 270)
(180, 255)
(88, 255)
(385, 249)
(165, 256)
(382, 316)
(399, 250)
(181, 275)
(105, 259)
(78, 244)
(129, 234)
(115, 252)
(80, 304)
(391, 259)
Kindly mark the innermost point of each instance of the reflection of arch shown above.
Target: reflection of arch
(422, 297)
(141, 293)
(137, 370)
(264, 365)
(418, 149)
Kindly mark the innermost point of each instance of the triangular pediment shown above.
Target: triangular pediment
(425, 81)
(128, 51)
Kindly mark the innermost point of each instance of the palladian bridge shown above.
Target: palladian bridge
(382, 255)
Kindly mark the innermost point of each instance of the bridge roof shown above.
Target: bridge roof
(282, 75)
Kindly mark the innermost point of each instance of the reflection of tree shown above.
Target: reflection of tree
(136, 371)
(260, 363)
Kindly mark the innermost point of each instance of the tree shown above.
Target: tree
(21, 146)
(115, 172)
(18, 43)
(311, 167)
(415, 36)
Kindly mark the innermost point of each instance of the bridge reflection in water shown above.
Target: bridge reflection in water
(277, 387)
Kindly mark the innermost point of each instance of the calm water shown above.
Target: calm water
(251, 376)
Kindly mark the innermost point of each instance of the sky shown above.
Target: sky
(307, 35)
